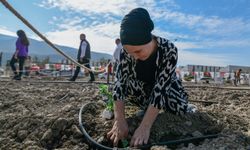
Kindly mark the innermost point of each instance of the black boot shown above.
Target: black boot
(72, 79)
(18, 77)
(15, 76)
(92, 77)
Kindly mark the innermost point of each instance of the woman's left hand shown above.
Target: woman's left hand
(140, 137)
(142, 133)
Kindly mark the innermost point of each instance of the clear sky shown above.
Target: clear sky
(208, 32)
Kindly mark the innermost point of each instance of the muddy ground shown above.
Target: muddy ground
(45, 116)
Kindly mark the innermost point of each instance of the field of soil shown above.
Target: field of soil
(37, 115)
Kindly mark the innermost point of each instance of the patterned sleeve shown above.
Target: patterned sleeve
(166, 68)
(121, 76)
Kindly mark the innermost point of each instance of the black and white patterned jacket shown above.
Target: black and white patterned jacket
(167, 91)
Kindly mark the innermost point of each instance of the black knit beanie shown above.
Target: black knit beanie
(136, 27)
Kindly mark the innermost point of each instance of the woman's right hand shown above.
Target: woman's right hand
(119, 131)
(15, 54)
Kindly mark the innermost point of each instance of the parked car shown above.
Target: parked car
(34, 68)
(206, 79)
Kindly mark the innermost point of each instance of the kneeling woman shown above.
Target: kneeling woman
(145, 76)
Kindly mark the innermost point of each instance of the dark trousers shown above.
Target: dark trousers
(20, 60)
(86, 64)
(1, 55)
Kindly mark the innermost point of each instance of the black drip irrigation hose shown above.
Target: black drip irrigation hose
(175, 142)
(168, 143)
(89, 138)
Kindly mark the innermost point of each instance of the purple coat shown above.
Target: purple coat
(23, 49)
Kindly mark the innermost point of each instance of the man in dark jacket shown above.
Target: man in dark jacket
(83, 57)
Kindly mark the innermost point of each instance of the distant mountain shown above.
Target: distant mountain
(42, 50)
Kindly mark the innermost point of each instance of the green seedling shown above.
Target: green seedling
(124, 143)
(104, 90)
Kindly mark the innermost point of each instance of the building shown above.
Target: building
(201, 70)
(217, 73)
(232, 68)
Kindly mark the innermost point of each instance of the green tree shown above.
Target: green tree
(35, 59)
(102, 61)
(46, 60)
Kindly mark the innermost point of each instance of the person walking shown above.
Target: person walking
(83, 57)
(1, 55)
(237, 75)
(116, 56)
(20, 54)
(146, 77)
(117, 52)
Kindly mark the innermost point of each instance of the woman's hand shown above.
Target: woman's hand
(15, 55)
(142, 133)
(119, 131)
(140, 137)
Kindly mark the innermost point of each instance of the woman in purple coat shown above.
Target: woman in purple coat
(20, 54)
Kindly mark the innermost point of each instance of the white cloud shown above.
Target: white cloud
(102, 27)
(226, 43)
(102, 43)
(101, 37)
(169, 35)
(71, 22)
(235, 43)
(115, 7)
(100, 11)
(187, 57)
(5, 31)
(204, 25)
(111, 7)
(188, 45)
(160, 10)
(224, 27)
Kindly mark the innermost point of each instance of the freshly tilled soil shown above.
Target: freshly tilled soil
(45, 116)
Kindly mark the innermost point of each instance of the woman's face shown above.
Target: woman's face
(82, 37)
(141, 52)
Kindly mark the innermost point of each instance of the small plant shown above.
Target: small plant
(124, 143)
(104, 90)
(188, 77)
